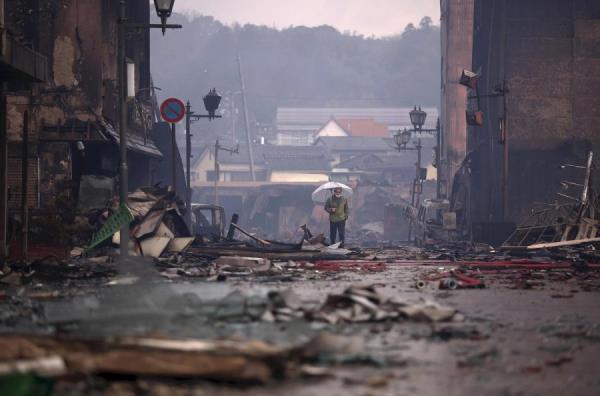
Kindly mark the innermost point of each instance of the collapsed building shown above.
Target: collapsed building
(70, 123)
(535, 106)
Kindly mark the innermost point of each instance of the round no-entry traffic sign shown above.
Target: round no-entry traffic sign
(172, 110)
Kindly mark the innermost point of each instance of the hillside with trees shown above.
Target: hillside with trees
(297, 66)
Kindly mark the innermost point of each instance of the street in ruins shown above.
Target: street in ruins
(327, 198)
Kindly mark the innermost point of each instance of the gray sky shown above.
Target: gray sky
(368, 17)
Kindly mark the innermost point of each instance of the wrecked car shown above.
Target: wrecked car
(433, 222)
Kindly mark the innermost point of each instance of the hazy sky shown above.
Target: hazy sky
(368, 17)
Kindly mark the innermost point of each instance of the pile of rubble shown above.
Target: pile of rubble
(357, 304)
(155, 218)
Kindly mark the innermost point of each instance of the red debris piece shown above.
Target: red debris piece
(350, 265)
(456, 280)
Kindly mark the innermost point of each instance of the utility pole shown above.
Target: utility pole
(218, 167)
(248, 139)
(233, 116)
(211, 103)
(217, 172)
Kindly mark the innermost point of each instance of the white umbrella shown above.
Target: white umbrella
(323, 192)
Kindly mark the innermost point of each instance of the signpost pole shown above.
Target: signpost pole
(174, 158)
(172, 110)
(188, 156)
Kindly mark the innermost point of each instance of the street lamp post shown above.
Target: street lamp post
(211, 104)
(401, 140)
(417, 119)
(163, 10)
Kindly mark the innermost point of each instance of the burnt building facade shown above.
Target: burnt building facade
(70, 123)
(539, 91)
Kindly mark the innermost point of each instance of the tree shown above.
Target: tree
(409, 28)
(425, 23)
(298, 66)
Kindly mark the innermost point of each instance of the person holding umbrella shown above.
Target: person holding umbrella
(337, 207)
(335, 196)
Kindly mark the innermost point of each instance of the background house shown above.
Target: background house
(272, 164)
(342, 148)
(282, 174)
(388, 169)
(356, 127)
(300, 125)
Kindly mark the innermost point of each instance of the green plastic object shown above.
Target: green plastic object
(25, 385)
(114, 223)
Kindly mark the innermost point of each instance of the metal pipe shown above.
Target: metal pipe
(124, 171)
(588, 173)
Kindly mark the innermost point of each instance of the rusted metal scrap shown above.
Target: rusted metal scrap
(569, 223)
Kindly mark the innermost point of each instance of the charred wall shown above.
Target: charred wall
(79, 38)
(456, 43)
(548, 53)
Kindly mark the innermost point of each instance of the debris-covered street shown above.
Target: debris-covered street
(326, 197)
(98, 329)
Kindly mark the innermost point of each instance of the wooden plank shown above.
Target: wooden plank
(562, 243)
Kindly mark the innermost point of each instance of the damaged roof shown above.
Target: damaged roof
(140, 144)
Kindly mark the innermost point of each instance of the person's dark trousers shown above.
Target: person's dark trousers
(335, 228)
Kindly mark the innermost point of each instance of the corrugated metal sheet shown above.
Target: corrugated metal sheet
(140, 144)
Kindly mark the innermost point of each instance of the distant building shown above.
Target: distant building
(355, 127)
(272, 164)
(343, 148)
(300, 125)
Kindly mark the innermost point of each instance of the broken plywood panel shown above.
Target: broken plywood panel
(178, 245)
(150, 224)
(254, 263)
(164, 231)
(155, 246)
